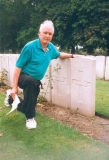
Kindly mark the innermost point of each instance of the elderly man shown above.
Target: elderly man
(30, 68)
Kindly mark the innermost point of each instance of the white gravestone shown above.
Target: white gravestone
(83, 78)
(12, 62)
(61, 75)
(100, 66)
(5, 65)
(107, 69)
(46, 82)
(90, 57)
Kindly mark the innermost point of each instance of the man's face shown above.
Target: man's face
(46, 35)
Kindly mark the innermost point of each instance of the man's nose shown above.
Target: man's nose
(48, 35)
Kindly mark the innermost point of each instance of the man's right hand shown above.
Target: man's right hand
(13, 92)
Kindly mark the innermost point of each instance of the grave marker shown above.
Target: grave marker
(100, 66)
(83, 78)
(5, 65)
(61, 75)
(107, 69)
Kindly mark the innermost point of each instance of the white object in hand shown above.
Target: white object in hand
(14, 104)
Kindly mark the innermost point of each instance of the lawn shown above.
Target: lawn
(102, 98)
(51, 140)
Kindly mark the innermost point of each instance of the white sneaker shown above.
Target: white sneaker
(31, 123)
(8, 93)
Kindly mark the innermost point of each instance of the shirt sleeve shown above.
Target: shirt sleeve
(24, 57)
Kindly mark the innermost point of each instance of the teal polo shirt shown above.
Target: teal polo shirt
(34, 61)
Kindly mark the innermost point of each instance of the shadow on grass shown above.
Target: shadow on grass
(102, 115)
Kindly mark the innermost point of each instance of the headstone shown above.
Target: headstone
(17, 56)
(46, 82)
(107, 69)
(90, 57)
(5, 65)
(12, 62)
(83, 78)
(100, 66)
(61, 75)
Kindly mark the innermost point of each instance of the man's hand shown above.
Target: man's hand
(13, 92)
(15, 82)
(77, 56)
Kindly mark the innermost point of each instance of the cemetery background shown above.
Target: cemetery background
(90, 126)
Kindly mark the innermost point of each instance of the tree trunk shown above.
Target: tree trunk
(73, 49)
(107, 50)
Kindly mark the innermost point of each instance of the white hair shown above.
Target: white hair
(47, 23)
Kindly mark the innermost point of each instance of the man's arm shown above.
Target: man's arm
(64, 55)
(15, 81)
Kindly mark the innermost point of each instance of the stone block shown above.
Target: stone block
(5, 65)
(61, 75)
(107, 69)
(12, 61)
(46, 82)
(100, 66)
(83, 78)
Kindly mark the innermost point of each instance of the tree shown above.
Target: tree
(91, 25)
(83, 23)
(60, 13)
(15, 17)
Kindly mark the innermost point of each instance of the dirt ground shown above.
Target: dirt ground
(96, 127)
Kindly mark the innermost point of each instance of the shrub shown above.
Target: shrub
(3, 77)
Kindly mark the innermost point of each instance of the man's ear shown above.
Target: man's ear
(38, 33)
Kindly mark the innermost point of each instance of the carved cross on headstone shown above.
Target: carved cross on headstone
(82, 86)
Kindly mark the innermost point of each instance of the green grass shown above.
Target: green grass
(102, 98)
(51, 140)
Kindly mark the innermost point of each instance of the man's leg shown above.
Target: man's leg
(31, 91)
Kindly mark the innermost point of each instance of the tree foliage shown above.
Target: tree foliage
(77, 22)
(91, 25)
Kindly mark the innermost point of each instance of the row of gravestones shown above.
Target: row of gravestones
(69, 83)
(102, 67)
(102, 64)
